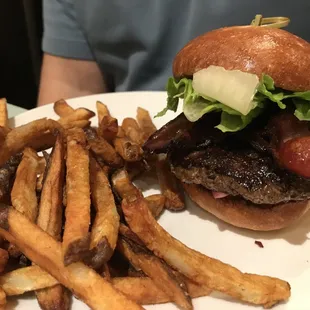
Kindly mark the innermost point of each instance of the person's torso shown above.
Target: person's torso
(135, 41)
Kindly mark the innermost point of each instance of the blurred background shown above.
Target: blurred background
(21, 31)
(20, 52)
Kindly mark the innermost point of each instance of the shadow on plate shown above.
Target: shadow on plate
(223, 297)
(295, 234)
(12, 303)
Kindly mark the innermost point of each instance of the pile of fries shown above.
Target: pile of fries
(72, 222)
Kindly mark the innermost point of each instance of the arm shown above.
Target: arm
(69, 69)
(79, 78)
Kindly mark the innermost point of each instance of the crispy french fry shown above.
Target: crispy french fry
(76, 237)
(130, 151)
(2, 298)
(76, 115)
(105, 272)
(132, 130)
(144, 291)
(56, 297)
(204, 270)
(4, 120)
(4, 257)
(104, 231)
(137, 168)
(46, 252)
(50, 220)
(145, 122)
(50, 209)
(62, 108)
(120, 132)
(157, 270)
(43, 142)
(123, 186)
(169, 186)
(82, 123)
(156, 204)
(106, 169)
(22, 136)
(102, 149)
(108, 128)
(23, 194)
(132, 272)
(102, 111)
(27, 279)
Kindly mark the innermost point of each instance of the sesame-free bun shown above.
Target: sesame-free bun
(244, 214)
(278, 53)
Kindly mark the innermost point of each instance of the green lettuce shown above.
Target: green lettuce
(195, 105)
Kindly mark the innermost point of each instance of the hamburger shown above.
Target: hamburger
(241, 146)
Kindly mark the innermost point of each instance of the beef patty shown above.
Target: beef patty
(242, 164)
(239, 172)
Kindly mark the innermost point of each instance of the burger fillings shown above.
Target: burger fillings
(241, 147)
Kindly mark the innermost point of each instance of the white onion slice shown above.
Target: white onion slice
(233, 88)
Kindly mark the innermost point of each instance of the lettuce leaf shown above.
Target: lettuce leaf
(196, 105)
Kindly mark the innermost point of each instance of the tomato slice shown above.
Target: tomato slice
(295, 155)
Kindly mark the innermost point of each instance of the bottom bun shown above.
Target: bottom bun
(243, 214)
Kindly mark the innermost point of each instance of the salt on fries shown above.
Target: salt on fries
(109, 251)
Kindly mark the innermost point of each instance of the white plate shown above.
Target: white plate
(286, 254)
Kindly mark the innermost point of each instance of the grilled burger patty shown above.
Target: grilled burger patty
(243, 164)
(241, 172)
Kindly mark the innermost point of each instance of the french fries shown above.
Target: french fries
(23, 194)
(169, 186)
(4, 257)
(62, 108)
(156, 204)
(145, 123)
(102, 149)
(50, 220)
(77, 115)
(102, 111)
(4, 120)
(46, 252)
(143, 290)
(82, 123)
(44, 141)
(27, 279)
(129, 151)
(132, 130)
(22, 136)
(84, 251)
(50, 208)
(108, 128)
(206, 271)
(2, 299)
(162, 277)
(76, 237)
(123, 186)
(104, 231)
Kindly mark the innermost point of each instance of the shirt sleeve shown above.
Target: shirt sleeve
(62, 34)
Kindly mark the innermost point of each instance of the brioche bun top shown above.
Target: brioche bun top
(259, 50)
